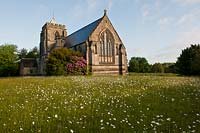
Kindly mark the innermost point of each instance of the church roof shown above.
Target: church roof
(81, 35)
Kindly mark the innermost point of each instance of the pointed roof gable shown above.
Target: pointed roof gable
(105, 19)
(81, 35)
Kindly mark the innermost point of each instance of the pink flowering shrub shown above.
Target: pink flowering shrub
(77, 66)
(57, 60)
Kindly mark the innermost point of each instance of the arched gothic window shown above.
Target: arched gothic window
(56, 35)
(106, 47)
(63, 33)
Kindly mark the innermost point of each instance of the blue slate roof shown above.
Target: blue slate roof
(81, 35)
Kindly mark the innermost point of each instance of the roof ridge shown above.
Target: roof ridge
(85, 26)
(82, 34)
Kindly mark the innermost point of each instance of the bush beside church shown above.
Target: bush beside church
(78, 66)
(63, 61)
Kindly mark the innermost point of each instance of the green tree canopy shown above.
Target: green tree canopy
(33, 53)
(157, 68)
(58, 59)
(189, 61)
(138, 64)
(9, 65)
(169, 67)
(23, 53)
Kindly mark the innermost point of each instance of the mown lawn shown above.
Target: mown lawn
(100, 104)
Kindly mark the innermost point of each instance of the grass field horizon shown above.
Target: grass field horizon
(135, 102)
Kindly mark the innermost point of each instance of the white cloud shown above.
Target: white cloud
(165, 21)
(145, 11)
(189, 20)
(158, 4)
(153, 11)
(91, 4)
(173, 50)
(187, 38)
(110, 3)
(79, 12)
(83, 11)
(186, 18)
(187, 32)
(186, 2)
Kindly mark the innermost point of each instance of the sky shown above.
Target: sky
(155, 29)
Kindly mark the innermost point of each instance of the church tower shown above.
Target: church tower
(52, 36)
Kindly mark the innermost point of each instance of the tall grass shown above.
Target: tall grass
(100, 104)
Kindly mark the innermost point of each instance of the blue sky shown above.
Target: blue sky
(155, 29)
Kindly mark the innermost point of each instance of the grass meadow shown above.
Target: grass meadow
(132, 103)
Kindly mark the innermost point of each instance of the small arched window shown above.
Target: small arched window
(117, 50)
(95, 49)
(57, 35)
(63, 33)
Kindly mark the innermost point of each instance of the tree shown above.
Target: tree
(9, 65)
(133, 65)
(157, 68)
(188, 62)
(138, 64)
(169, 67)
(23, 53)
(143, 65)
(58, 59)
(33, 53)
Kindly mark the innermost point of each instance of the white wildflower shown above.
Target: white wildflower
(71, 131)
(113, 126)
(173, 99)
(168, 119)
(102, 128)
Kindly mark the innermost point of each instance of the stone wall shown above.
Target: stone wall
(115, 63)
(52, 36)
(29, 67)
(119, 64)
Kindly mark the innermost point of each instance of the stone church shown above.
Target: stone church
(98, 42)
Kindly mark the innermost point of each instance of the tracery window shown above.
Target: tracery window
(106, 47)
(56, 35)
